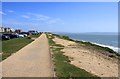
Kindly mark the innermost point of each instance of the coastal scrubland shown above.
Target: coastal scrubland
(85, 57)
(62, 67)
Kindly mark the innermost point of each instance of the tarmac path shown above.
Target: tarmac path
(34, 60)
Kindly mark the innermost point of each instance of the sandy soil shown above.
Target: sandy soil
(31, 61)
(92, 61)
(65, 43)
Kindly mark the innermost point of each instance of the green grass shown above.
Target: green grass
(51, 42)
(63, 68)
(11, 46)
(35, 36)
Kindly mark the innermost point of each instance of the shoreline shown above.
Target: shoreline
(114, 48)
(102, 46)
(100, 61)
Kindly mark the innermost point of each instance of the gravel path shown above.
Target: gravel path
(31, 61)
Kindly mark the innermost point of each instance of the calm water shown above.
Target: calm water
(107, 40)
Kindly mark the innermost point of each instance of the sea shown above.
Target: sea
(104, 39)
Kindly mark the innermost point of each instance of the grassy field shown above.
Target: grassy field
(63, 68)
(11, 46)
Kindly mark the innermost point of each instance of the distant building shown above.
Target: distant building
(12, 30)
(6, 30)
(1, 29)
(18, 30)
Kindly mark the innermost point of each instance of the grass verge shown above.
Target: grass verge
(12, 46)
(35, 36)
(63, 68)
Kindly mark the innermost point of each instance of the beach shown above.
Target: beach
(92, 60)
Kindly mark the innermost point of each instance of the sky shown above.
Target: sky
(72, 17)
(60, 0)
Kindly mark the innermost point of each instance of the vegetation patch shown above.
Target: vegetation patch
(51, 42)
(10, 47)
(63, 68)
(35, 36)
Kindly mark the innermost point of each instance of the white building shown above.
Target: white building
(7, 30)
(2, 29)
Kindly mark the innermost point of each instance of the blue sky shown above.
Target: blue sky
(61, 16)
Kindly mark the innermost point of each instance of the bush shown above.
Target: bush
(66, 37)
(111, 56)
(29, 37)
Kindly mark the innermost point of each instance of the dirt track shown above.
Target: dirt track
(31, 61)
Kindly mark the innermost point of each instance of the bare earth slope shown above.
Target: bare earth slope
(31, 61)
(90, 60)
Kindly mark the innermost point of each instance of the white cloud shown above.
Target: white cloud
(42, 17)
(34, 20)
(2, 13)
(10, 11)
(52, 21)
(39, 17)
(26, 16)
(19, 23)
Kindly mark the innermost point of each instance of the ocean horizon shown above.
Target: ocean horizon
(105, 39)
